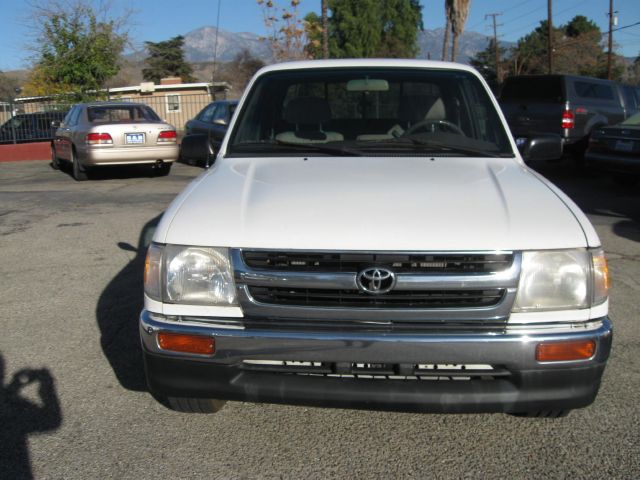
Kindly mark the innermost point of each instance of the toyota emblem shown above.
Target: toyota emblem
(376, 280)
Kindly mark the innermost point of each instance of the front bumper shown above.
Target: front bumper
(529, 385)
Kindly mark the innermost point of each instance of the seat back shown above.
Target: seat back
(308, 114)
(416, 108)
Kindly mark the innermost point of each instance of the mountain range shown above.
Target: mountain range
(199, 45)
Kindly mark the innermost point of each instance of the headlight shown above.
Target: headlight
(561, 280)
(191, 275)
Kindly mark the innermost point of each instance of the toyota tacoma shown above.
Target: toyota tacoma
(369, 236)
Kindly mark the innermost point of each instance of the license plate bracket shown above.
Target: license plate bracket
(134, 138)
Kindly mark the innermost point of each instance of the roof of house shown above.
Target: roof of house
(174, 86)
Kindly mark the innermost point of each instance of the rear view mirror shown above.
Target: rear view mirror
(367, 85)
(541, 147)
(220, 121)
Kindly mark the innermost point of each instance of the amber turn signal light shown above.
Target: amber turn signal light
(565, 351)
(178, 342)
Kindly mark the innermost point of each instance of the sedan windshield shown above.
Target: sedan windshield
(369, 111)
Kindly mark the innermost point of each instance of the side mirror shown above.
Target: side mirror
(197, 148)
(220, 121)
(540, 147)
(56, 123)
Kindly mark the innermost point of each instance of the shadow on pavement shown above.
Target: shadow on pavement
(118, 310)
(21, 417)
(597, 194)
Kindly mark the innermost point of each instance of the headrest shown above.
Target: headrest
(415, 108)
(307, 110)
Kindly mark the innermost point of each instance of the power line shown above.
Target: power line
(475, 25)
(556, 15)
(626, 26)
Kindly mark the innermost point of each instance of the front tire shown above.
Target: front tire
(543, 414)
(79, 173)
(193, 405)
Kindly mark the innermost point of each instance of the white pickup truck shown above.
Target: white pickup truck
(370, 237)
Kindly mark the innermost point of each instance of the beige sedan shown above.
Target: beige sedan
(108, 133)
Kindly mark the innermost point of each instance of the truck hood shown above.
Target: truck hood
(373, 203)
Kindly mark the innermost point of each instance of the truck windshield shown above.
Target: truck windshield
(368, 111)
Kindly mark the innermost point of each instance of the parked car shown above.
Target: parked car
(101, 134)
(616, 149)
(30, 127)
(212, 121)
(369, 237)
(566, 105)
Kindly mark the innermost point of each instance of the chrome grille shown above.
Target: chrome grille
(319, 297)
(432, 263)
(432, 290)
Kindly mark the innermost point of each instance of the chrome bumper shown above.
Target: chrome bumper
(515, 351)
(523, 386)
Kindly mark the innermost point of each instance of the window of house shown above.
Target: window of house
(173, 103)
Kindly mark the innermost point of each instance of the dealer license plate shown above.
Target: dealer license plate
(135, 138)
(623, 145)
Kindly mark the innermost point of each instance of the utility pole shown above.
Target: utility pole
(215, 51)
(495, 44)
(549, 35)
(610, 52)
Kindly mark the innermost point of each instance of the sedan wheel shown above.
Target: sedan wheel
(55, 162)
(79, 173)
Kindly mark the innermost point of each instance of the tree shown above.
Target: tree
(166, 59)
(633, 72)
(241, 69)
(287, 36)
(485, 62)
(529, 56)
(313, 30)
(459, 14)
(448, 13)
(78, 48)
(578, 49)
(324, 7)
(8, 86)
(372, 28)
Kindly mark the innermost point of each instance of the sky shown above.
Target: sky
(156, 20)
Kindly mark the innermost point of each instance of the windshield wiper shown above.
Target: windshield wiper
(302, 147)
(457, 149)
(322, 147)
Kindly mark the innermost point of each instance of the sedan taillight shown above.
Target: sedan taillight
(168, 136)
(98, 139)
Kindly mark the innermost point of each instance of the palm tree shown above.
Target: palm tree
(325, 30)
(458, 19)
(448, 11)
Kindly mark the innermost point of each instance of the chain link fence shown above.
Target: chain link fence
(29, 119)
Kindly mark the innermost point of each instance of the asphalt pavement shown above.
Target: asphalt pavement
(73, 402)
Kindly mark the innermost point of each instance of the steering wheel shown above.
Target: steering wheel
(425, 123)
